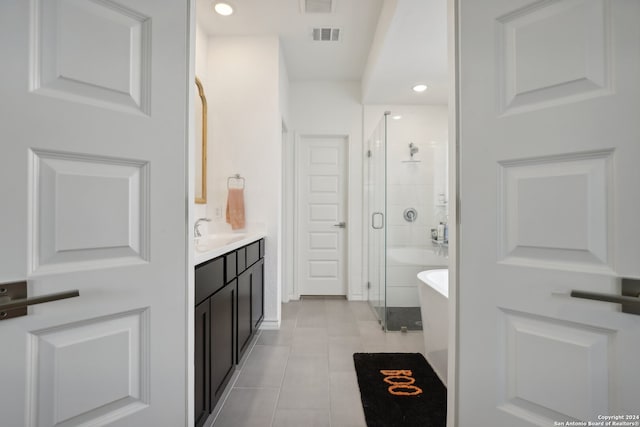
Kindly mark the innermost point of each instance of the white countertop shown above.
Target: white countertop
(214, 245)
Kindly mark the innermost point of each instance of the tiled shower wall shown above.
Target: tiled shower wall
(421, 185)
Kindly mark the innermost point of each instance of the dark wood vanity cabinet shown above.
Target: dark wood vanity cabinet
(222, 340)
(229, 309)
(214, 335)
(202, 355)
(257, 294)
(250, 297)
(244, 312)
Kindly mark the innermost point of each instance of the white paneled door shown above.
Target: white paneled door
(322, 213)
(93, 112)
(550, 147)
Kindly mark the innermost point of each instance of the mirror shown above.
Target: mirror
(201, 145)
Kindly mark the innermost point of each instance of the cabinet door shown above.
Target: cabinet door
(209, 278)
(202, 355)
(230, 265)
(222, 348)
(253, 253)
(241, 256)
(257, 293)
(244, 312)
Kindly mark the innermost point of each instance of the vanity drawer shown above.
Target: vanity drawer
(209, 278)
(230, 266)
(253, 253)
(262, 248)
(242, 259)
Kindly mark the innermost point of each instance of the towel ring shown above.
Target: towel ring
(236, 177)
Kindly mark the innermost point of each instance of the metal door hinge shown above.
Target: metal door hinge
(368, 285)
(368, 153)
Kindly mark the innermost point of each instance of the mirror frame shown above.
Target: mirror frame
(202, 198)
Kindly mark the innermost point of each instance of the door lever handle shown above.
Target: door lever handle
(630, 298)
(14, 301)
(23, 302)
(618, 299)
(340, 224)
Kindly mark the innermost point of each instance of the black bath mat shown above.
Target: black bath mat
(400, 389)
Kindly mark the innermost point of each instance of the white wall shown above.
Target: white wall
(201, 65)
(284, 87)
(334, 108)
(245, 82)
(286, 233)
(202, 47)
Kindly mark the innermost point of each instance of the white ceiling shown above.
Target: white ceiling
(410, 48)
(388, 44)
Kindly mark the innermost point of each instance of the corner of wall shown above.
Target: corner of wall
(384, 22)
(283, 80)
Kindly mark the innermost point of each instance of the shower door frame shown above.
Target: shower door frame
(376, 237)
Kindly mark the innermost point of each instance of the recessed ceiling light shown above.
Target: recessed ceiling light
(223, 9)
(420, 88)
(398, 117)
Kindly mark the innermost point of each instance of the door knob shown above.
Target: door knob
(14, 301)
(340, 224)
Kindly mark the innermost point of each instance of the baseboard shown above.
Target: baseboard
(323, 297)
(269, 325)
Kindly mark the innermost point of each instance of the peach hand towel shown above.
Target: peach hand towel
(235, 208)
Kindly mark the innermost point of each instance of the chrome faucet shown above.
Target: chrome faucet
(196, 229)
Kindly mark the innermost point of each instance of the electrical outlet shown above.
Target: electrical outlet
(218, 212)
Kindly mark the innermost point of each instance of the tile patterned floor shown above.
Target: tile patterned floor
(303, 374)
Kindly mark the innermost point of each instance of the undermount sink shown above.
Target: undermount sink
(207, 243)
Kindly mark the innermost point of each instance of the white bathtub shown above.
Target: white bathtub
(414, 256)
(433, 287)
(403, 263)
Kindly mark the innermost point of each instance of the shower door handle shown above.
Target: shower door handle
(373, 220)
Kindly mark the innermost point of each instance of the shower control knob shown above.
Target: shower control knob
(410, 214)
(340, 224)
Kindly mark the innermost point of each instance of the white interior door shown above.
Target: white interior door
(321, 189)
(550, 145)
(93, 100)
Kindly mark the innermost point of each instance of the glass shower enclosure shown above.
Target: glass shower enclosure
(375, 191)
(405, 206)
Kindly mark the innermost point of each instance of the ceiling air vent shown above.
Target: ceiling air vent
(326, 34)
(317, 6)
